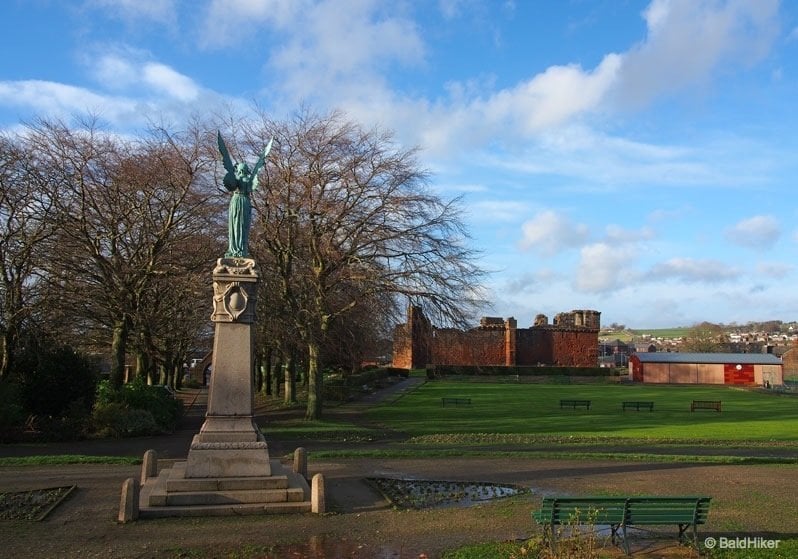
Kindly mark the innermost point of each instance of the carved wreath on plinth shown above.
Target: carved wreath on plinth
(234, 300)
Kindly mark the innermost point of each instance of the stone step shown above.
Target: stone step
(226, 510)
(179, 484)
(262, 496)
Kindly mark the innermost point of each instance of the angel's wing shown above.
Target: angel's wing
(226, 161)
(262, 158)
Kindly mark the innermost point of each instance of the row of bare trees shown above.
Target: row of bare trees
(107, 241)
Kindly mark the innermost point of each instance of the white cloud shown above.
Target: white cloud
(343, 51)
(233, 22)
(60, 100)
(551, 98)
(757, 232)
(689, 40)
(774, 270)
(164, 79)
(120, 68)
(691, 270)
(113, 71)
(617, 234)
(550, 232)
(501, 210)
(604, 267)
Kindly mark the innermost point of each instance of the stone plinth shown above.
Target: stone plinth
(174, 494)
(230, 443)
(228, 470)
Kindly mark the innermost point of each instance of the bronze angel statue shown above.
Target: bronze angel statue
(241, 181)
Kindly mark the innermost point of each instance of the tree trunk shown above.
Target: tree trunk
(118, 352)
(7, 350)
(258, 357)
(290, 385)
(293, 380)
(314, 383)
(278, 366)
(143, 367)
(266, 371)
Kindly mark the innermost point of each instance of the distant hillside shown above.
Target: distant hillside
(628, 335)
(665, 333)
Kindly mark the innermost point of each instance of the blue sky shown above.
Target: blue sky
(633, 157)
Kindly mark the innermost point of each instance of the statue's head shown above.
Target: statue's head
(242, 169)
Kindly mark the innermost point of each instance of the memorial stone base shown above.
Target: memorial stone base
(228, 470)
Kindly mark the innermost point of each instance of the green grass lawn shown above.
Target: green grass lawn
(533, 409)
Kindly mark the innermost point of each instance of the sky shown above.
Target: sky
(633, 157)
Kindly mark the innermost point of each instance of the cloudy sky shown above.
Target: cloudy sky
(637, 158)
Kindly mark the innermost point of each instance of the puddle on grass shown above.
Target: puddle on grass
(320, 547)
(423, 494)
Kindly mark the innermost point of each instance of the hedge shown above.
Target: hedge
(439, 371)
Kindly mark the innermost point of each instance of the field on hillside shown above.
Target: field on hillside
(534, 409)
(632, 334)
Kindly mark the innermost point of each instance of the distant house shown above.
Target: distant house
(790, 360)
(750, 369)
(614, 354)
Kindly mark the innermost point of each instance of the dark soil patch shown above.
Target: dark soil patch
(32, 505)
(420, 493)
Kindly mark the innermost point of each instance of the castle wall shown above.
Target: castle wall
(534, 346)
(571, 341)
(472, 347)
(574, 348)
(402, 347)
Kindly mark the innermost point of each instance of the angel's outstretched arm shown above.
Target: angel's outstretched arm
(262, 158)
(226, 161)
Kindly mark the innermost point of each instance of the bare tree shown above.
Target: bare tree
(347, 218)
(125, 207)
(26, 223)
(705, 338)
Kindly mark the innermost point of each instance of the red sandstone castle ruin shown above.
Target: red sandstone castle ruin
(571, 341)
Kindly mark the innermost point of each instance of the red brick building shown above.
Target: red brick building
(763, 369)
(572, 340)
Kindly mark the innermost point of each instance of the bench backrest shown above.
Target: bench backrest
(667, 510)
(594, 510)
(623, 510)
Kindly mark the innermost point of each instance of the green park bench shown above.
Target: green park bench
(573, 404)
(637, 406)
(620, 513)
(456, 401)
(705, 405)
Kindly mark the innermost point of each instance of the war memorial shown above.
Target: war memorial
(228, 470)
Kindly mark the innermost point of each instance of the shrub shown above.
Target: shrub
(498, 370)
(117, 412)
(56, 387)
(115, 419)
(12, 413)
